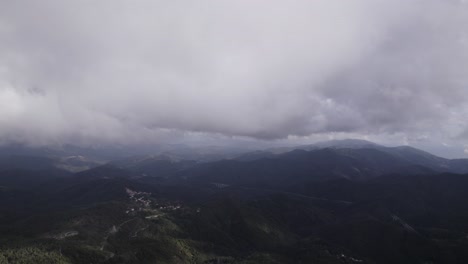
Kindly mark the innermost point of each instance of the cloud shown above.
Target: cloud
(130, 71)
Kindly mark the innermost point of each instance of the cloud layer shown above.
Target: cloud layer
(131, 71)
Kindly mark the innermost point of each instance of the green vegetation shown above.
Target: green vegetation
(31, 255)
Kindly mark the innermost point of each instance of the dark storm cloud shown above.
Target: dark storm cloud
(112, 71)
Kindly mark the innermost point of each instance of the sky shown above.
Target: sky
(282, 72)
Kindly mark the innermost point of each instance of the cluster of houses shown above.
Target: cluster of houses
(142, 199)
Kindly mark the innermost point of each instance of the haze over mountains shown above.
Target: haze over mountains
(78, 158)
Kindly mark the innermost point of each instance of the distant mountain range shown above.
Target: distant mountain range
(349, 159)
(76, 159)
(276, 168)
(402, 153)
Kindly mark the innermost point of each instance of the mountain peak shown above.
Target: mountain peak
(344, 143)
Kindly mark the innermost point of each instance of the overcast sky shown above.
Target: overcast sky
(132, 71)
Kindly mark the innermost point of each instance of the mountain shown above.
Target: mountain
(343, 143)
(337, 144)
(410, 154)
(350, 159)
(67, 163)
(255, 155)
(300, 166)
(346, 202)
(106, 153)
(403, 153)
(153, 165)
(9, 162)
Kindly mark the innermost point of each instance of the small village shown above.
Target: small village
(142, 202)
